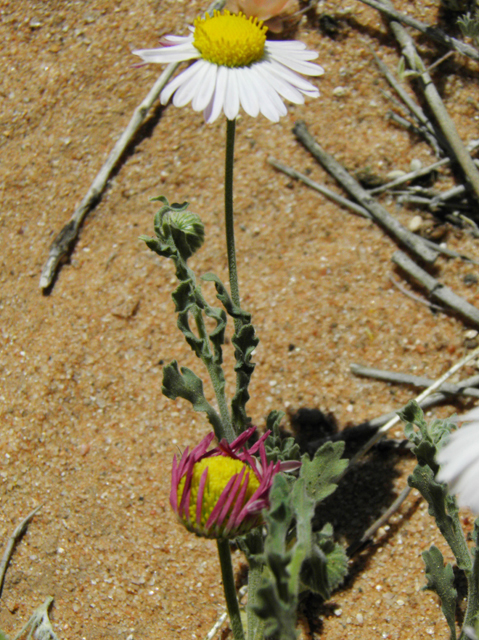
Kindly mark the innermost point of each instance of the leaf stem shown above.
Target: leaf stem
(229, 589)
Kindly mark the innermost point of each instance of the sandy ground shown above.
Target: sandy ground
(85, 429)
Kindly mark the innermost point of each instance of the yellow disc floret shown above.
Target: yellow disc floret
(220, 470)
(229, 40)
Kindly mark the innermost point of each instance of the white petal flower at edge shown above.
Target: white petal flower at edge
(235, 66)
(459, 462)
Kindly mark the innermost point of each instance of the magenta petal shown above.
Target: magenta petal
(201, 489)
(231, 498)
(234, 520)
(217, 509)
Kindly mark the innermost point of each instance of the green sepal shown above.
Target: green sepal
(440, 578)
(185, 384)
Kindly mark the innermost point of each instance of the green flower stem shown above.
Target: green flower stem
(229, 226)
(218, 383)
(229, 589)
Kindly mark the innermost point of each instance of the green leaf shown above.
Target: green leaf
(322, 472)
(279, 616)
(187, 385)
(279, 516)
(276, 447)
(444, 509)
(440, 579)
(3, 636)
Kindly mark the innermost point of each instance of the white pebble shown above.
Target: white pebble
(415, 224)
(416, 165)
(339, 92)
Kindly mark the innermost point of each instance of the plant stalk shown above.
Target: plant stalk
(229, 589)
(218, 382)
(229, 226)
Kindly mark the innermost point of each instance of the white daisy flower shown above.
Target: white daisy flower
(235, 65)
(459, 462)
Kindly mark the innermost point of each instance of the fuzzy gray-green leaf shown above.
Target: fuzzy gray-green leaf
(440, 579)
(187, 385)
(322, 472)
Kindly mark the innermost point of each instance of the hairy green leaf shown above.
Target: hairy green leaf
(440, 579)
(185, 384)
(321, 473)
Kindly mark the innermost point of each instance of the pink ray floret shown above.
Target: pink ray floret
(235, 512)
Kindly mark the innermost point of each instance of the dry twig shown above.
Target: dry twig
(355, 207)
(381, 216)
(435, 102)
(437, 290)
(416, 381)
(371, 531)
(386, 427)
(413, 175)
(431, 401)
(12, 541)
(433, 32)
(67, 236)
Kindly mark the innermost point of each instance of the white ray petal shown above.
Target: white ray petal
(189, 88)
(270, 104)
(179, 80)
(231, 103)
(178, 39)
(205, 89)
(248, 95)
(285, 89)
(307, 68)
(290, 76)
(289, 45)
(164, 55)
(215, 106)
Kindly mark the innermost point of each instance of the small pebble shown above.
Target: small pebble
(359, 618)
(339, 92)
(415, 224)
(338, 612)
(416, 165)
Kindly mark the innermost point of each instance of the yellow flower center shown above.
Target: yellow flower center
(229, 40)
(220, 470)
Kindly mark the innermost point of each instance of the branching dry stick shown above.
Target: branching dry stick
(431, 401)
(426, 127)
(432, 32)
(11, 545)
(436, 289)
(371, 531)
(344, 202)
(67, 236)
(384, 219)
(320, 188)
(386, 428)
(411, 295)
(435, 103)
(416, 381)
(413, 175)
